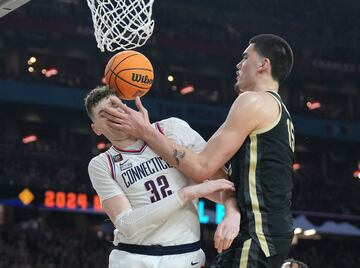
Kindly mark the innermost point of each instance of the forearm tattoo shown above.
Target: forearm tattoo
(178, 155)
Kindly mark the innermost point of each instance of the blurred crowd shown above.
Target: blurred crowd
(49, 163)
(39, 244)
(327, 194)
(44, 242)
(189, 36)
(205, 36)
(330, 253)
(46, 163)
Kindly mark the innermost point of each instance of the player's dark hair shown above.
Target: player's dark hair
(278, 51)
(94, 97)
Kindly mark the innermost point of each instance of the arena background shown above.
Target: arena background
(49, 214)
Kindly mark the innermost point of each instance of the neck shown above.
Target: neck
(265, 84)
(123, 143)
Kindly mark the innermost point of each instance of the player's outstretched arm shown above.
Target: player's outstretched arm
(130, 221)
(243, 118)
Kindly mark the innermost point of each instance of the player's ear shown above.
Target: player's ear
(95, 129)
(265, 64)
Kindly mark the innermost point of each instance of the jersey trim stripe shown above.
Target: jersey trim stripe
(277, 96)
(159, 128)
(111, 164)
(244, 259)
(273, 124)
(253, 196)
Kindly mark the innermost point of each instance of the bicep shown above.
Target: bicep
(241, 121)
(115, 206)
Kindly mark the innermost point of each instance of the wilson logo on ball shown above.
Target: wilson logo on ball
(130, 74)
(141, 78)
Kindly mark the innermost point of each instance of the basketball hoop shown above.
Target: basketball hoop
(6, 6)
(121, 24)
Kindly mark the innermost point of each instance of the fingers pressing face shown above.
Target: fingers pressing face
(106, 110)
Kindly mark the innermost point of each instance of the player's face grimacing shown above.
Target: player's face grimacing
(100, 127)
(247, 70)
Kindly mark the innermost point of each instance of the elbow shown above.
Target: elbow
(202, 172)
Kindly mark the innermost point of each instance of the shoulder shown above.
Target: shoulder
(251, 102)
(171, 124)
(173, 121)
(98, 161)
(251, 98)
(247, 113)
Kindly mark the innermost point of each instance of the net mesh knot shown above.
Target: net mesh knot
(121, 24)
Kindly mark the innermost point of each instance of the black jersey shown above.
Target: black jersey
(262, 172)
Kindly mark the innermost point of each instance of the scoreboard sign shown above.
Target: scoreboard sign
(71, 200)
(84, 202)
(51, 199)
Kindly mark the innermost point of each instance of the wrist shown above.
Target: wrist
(184, 195)
(232, 212)
(231, 206)
(233, 217)
(148, 133)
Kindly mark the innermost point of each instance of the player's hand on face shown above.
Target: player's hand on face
(226, 231)
(121, 117)
(113, 113)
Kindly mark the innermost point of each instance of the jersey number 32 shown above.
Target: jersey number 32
(156, 187)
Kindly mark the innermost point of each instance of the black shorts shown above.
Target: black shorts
(246, 253)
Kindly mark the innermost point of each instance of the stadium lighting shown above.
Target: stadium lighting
(188, 89)
(310, 232)
(101, 145)
(31, 61)
(51, 72)
(29, 138)
(356, 174)
(313, 105)
(296, 166)
(170, 78)
(31, 69)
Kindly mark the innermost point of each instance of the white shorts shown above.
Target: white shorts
(123, 259)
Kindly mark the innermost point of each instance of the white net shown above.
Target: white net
(121, 24)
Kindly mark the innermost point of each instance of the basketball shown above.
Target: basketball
(130, 73)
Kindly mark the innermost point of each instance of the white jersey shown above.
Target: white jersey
(144, 177)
